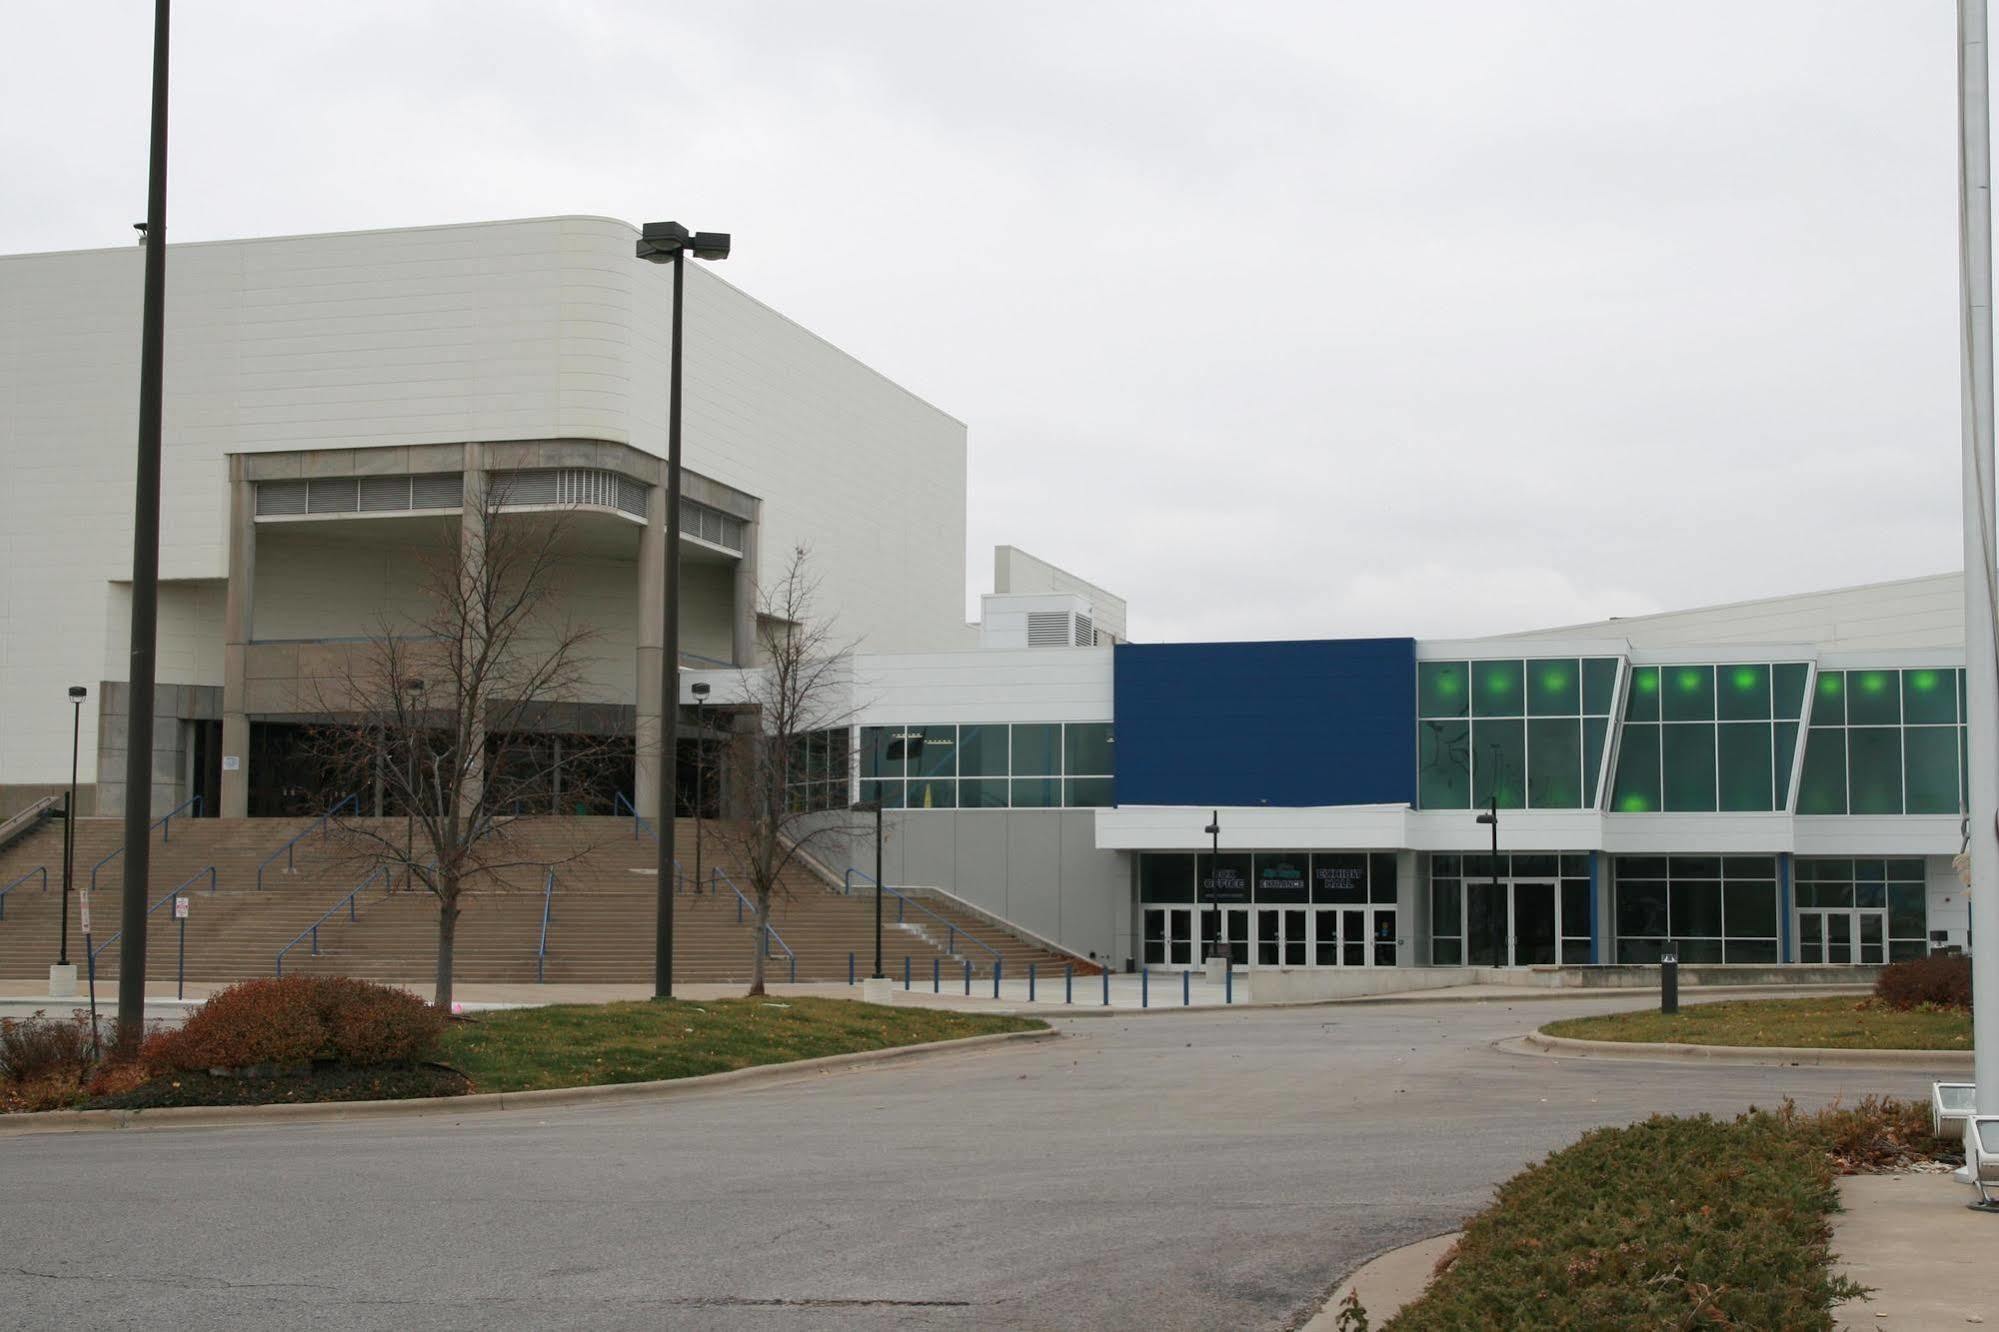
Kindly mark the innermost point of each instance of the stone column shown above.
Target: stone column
(237, 632)
(471, 573)
(652, 646)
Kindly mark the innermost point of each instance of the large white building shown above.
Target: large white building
(1759, 784)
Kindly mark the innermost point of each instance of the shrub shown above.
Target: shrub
(40, 1047)
(1942, 980)
(299, 1019)
(1875, 1137)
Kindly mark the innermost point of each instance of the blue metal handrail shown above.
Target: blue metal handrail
(642, 824)
(164, 823)
(42, 870)
(380, 871)
(770, 931)
(547, 902)
(901, 902)
(171, 894)
(323, 823)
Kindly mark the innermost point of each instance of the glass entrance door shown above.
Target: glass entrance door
(1843, 937)
(1487, 924)
(1534, 937)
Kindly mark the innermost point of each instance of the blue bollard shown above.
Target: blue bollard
(1145, 987)
(1186, 988)
(1030, 982)
(936, 975)
(1068, 984)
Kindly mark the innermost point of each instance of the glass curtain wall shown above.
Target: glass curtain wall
(1270, 908)
(1885, 742)
(1033, 765)
(816, 777)
(1706, 909)
(1472, 920)
(1528, 731)
(1847, 907)
(1707, 738)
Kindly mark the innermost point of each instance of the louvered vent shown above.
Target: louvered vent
(1048, 629)
(572, 485)
(332, 494)
(280, 499)
(385, 494)
(1086, 635)
(441, 490)
(712, 525)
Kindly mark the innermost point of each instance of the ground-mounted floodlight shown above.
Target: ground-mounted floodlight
(1951, 1103)
(1981, 1158)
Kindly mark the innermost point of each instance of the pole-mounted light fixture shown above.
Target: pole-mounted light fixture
(671, 243)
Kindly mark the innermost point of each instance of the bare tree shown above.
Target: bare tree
(797, 694)
(450, 715)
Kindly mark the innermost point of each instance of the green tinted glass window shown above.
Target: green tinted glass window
(1687, 762)
(1829, 699)
(1644, 702)
(881, 751)
(1874, 769)
(1686, 693)
(1498, 763)
(1554, 763)
(1036, 792)
(1443, 689)
(1750, 909)
(1822, 787)
(1908, 913)
(1929, 697)
(1742, 692)
(1594, 731)
(1086, 792)
(1930, 768)
(1088, 749)
(932, 794)
(1497, 687)
(982, 751)
(932, 751)
(1743, 749)
(1443, 764)
(1636, 790)
(1037, 751)
(1787, 689)
(983, 793)
(1554, 687)
(1873, 698)
(1784, 755)
(1599, 683)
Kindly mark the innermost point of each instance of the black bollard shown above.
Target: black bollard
(1669, 983)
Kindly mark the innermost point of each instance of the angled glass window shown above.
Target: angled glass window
(1499, 763)
(1822, 789)
(1829, 699)
(1874, 769)
(1595, 730)
(1743, 757)
(1929, 697)
(1687, 693)
(1742, 692)
(1784, 758)
(1643, 704)
(1687, 763)
(1636, 790)
(1873, 698)
(1554, 763)
(1930, 769)
(1787, 689)
(1599, 684)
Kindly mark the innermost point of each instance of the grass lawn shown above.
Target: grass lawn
(584, 1045)
(1849, 1022)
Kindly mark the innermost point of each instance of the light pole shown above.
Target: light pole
(77, 694)
(874, 807)
(660, 243)
(1216, 948)
(415, 689)
(700, 691)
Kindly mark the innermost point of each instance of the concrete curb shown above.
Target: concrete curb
(1397, 1277)
(1787, 1056)
(237, 1116)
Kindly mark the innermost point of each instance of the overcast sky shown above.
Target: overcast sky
(1281, 320)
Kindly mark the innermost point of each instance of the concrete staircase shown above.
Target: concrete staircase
(601, 922)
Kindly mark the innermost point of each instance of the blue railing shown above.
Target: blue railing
(312, 931)
(324, 823)
(164, 823)
(170, 895)
(547, 902)
(901, 903)
(643, 825)
(744, 904)
(42, 870)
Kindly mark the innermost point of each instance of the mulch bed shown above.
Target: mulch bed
(379, 1082)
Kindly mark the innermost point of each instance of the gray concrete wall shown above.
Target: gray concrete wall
(172, 705)
(1037, 868)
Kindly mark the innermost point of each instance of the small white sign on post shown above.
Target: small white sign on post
(180, 906)
(83, 907)
(232, 762)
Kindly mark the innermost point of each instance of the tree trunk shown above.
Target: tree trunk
(757, 954)
(447, 934)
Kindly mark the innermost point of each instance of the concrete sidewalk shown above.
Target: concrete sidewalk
(1927, 1256)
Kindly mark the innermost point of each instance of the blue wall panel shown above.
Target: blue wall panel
(1328, 722)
